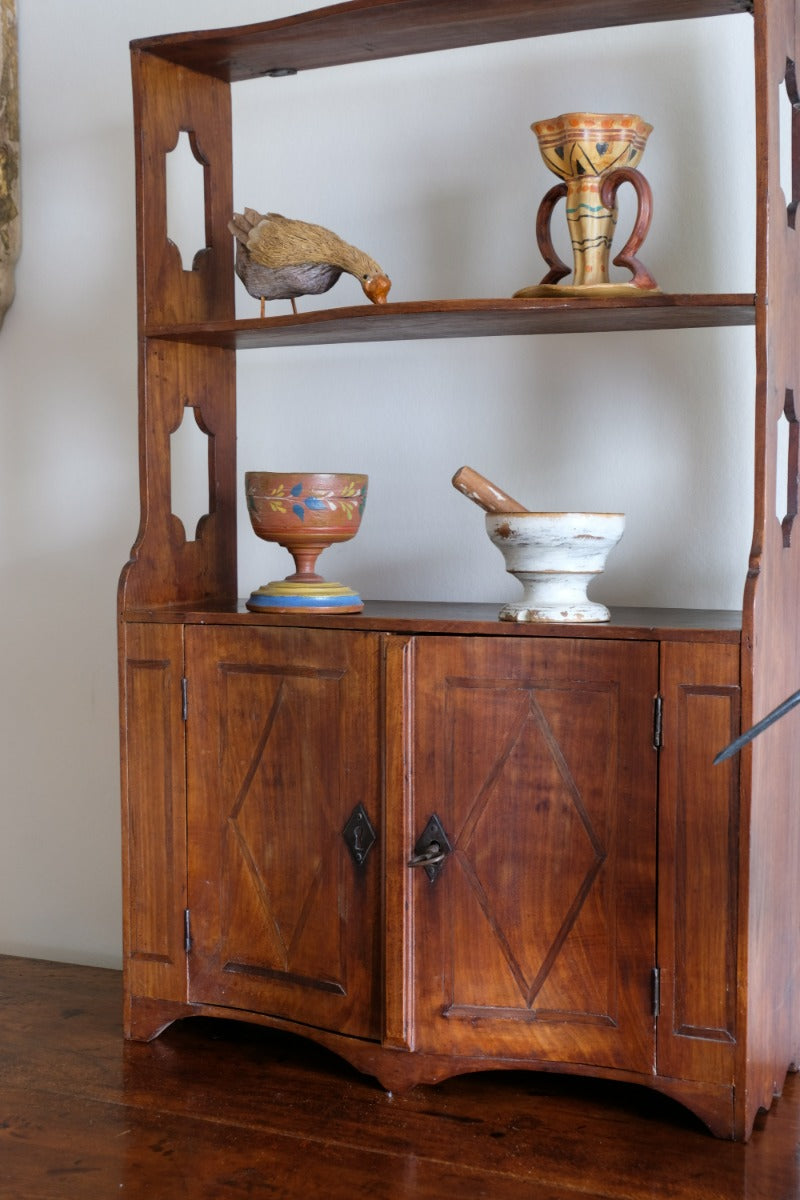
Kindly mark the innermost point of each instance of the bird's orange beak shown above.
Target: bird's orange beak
(376, 288)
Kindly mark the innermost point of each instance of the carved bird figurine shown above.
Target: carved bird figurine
(278, 258)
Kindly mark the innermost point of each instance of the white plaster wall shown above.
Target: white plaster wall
(429, 164)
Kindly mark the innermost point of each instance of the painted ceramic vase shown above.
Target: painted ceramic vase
(593, 154)
(305, 513)
(555, 556)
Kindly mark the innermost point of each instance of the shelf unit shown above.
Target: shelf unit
(701, 905)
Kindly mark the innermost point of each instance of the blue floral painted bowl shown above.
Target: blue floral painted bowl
(305, 512)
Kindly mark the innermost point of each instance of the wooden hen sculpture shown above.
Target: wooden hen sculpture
(278, 258)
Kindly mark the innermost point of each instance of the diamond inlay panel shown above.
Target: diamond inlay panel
(527, 804)
(277, 819)
(281, 821)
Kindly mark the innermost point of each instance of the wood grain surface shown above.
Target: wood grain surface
(220, 1111)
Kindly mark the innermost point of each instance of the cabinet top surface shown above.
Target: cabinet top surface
(421, 617)
(365, 30)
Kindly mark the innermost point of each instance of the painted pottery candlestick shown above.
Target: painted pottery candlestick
(593, 154)
(305, 513)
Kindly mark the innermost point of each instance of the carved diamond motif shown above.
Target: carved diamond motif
(555, 835)
(276, 820)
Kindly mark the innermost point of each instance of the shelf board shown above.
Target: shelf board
(465, 318)
(366, 30)
(434, 617)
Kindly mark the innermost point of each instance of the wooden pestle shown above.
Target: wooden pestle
(484, 493)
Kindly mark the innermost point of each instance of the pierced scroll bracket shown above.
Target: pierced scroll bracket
(190, 447)
(789, 140)
(787, 485)
(186, 200)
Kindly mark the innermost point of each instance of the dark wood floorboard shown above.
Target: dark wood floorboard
(218, 1110)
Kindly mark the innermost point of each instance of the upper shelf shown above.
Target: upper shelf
(365, 30)
(466, 318)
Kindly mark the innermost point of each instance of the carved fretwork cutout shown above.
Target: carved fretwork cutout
(186, 204)
(190, 448)
(789, 148)
(788, 465)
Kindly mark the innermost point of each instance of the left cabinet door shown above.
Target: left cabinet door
(283, 773)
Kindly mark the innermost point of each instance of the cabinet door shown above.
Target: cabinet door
(536, 939)
(283, 746)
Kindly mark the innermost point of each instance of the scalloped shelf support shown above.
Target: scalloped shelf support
(190, 462)
(789, 140)
(788, 467)
(186, 204)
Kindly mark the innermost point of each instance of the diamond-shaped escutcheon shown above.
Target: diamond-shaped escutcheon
(359, 835)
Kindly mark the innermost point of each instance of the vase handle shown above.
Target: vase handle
(627, 255)
(544, 241)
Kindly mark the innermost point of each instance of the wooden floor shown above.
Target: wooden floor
(221, 1111)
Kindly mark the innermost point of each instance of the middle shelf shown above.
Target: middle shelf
(421, 319)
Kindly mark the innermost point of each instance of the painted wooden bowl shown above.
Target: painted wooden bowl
(305, 513)
(555, 556)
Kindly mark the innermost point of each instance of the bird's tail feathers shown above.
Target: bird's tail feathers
(240, 228)
(242, 224)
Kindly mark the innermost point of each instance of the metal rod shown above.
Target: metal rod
(783, 708)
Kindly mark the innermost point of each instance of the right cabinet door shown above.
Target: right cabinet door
(537, 937)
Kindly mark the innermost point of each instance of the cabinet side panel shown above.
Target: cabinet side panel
(771, 622)
(154, 812)
(698, 848)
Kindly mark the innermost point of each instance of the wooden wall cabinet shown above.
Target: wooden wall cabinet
(601, 899)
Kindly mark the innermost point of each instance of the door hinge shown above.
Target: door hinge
(658, 708)
(655, 981)
(184, 698)
(187, 930)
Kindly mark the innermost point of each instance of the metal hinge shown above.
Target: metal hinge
(187, 930)
(658, 707)
(656, 990)
(184, 698)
